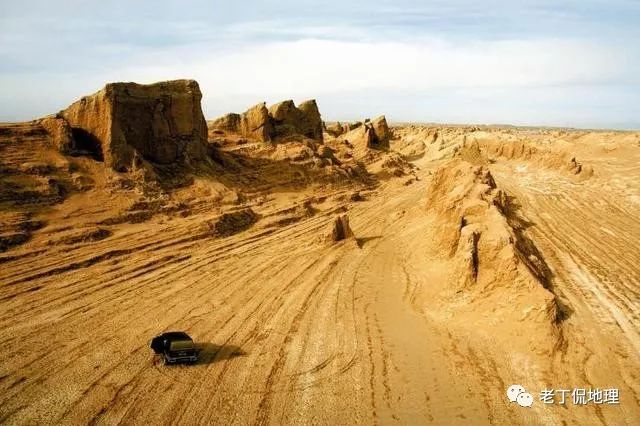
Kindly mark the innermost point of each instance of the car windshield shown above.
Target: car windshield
(179, 345)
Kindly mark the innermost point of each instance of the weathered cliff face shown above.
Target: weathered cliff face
(162, 122)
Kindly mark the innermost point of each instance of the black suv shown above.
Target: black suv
(174, 347)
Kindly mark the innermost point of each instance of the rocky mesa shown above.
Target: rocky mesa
(162, 123)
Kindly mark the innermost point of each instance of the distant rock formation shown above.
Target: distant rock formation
(254, 123)
(228, 123)
(381, 130)
(290, 120)
(335, 129)
(361, 137)
(161, 122)
(311, 122)
(370, 134)
(280, 120)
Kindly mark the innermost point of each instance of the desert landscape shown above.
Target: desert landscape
(330, 272)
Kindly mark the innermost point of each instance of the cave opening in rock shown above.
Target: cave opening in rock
(87, 144)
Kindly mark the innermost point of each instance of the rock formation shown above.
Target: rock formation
(291, 120)
(335, 129)
(370, 134)
(280, 120)
(381, 130)
(311, 120)
(162, 122)
(351, 126)
(503, 145)
(361, 138)
(232, 222)
(340, 229)
(59, 131)
(227, 123)
(253, 123)
(490, 257)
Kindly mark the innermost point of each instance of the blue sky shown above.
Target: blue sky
(565, 63)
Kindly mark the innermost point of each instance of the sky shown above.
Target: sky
(540, 62)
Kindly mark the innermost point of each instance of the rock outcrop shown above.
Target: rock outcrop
(291, 120)
(161, 122)
(340, 229)
(232, 223)
(381, 130)
(281, 120)
(254, 123)
(59, 131)
(227, 123)
(495, 145)
(311, 120)
(490, 258)
(361, 138)
(370, 134)
(335, 129)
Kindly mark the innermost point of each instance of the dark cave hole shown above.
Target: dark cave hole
(87, 144)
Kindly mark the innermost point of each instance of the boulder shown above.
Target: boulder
(162, 122)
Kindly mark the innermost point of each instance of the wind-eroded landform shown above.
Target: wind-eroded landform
(330, 273)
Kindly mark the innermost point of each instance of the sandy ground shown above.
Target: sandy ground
(296, 330)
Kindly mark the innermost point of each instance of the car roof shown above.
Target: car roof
(176, 335)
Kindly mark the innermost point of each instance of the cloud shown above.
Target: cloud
(315, 67)
(487, 60)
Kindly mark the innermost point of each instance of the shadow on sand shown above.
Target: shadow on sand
(210, 353)
(526, 248)
(364, 240)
